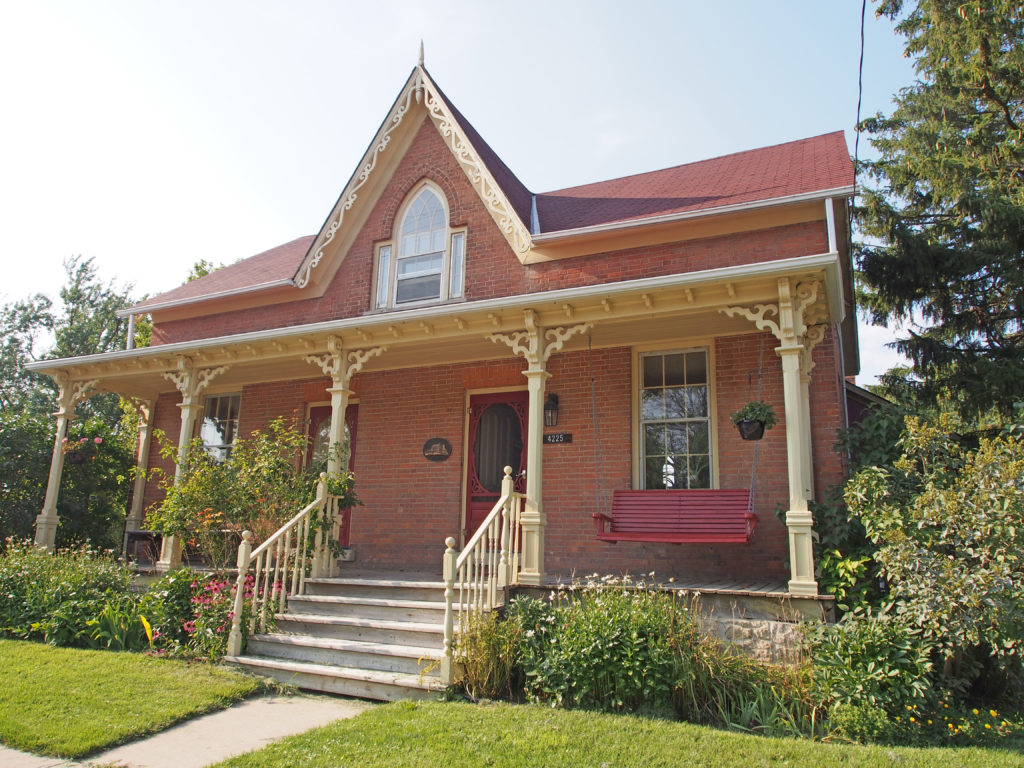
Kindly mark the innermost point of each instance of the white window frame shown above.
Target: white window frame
(221, 450)
(639, 433)
(387, 255)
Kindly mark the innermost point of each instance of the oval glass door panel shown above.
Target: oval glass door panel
(499, 444)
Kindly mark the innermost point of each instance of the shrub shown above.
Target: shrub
(607, 647)
(863, 723)
(257, 487)
(168, 606)
(53, 597)
(213, 601)
(869, 658)
(948, 523)
(489, 651)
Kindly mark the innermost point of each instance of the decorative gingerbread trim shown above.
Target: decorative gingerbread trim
(422, 88)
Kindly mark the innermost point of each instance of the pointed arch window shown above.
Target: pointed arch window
(425, 262)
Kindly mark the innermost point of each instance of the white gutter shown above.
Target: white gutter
(779, 268)
(830, 221)
(668, 218)
(141, 309)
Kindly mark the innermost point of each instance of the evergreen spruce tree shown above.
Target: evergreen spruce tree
(944, 214)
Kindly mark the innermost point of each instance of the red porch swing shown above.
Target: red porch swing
(677, 516)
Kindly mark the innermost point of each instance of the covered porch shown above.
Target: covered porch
(414, 374)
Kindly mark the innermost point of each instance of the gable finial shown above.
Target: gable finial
(421, 52)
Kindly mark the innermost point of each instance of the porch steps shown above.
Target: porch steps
(376, 638)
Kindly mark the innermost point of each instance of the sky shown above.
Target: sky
(151, 135)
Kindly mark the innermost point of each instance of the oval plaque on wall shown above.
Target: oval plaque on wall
(437, 449)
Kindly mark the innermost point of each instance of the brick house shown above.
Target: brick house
(442, 307)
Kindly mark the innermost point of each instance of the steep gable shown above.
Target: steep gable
(496, 189)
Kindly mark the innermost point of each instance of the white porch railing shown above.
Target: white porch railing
(487, 566)
(281, 564)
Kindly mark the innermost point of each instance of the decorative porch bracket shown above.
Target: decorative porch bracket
(800, 326)
(535, 345)
(145, 410)
(340, 366)
(191, 382)
(69, 394)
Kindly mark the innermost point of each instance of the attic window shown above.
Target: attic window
(425, 262)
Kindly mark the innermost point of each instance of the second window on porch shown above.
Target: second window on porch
(674, 420)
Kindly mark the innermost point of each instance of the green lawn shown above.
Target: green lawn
(70, 702)
(454, 735)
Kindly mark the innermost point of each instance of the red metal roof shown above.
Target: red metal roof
(758, 175)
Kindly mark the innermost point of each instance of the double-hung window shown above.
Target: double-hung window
(675, 422)
(220, 424)
(426, 259)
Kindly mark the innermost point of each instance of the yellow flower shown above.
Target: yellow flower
(975, 711)
(929, 721)
(988, 725)
(913, 720)
(993, 713)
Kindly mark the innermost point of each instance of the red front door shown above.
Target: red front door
(319, 437)
(497, 438)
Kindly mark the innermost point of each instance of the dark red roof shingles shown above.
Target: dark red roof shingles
(797, 167)
(271, 266)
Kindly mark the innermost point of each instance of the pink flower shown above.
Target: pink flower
(97, 440)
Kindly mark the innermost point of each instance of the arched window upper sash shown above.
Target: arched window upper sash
(424, 262)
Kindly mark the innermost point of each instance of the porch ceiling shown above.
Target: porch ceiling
(621, 314)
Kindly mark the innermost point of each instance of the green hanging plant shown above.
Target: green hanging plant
(753, 419)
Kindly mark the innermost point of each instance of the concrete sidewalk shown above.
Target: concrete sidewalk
(246, 726)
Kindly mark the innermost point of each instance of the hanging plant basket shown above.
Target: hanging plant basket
(753, 419)
(750, 429)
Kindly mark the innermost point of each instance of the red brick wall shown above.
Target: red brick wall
(492, 270)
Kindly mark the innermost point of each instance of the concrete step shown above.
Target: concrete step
(383, 657)
(422, 634)
(393, 588)
(346, 681)
(423, 611)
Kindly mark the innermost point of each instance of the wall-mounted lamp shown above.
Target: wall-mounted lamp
(551, 411)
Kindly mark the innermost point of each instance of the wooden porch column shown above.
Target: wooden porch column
(145, 439)
(534, 522)
(340, 395)
(69, 394)
(805, 424)
(191, 382)
(799, 520)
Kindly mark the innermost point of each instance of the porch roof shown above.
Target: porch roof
(667, 307)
